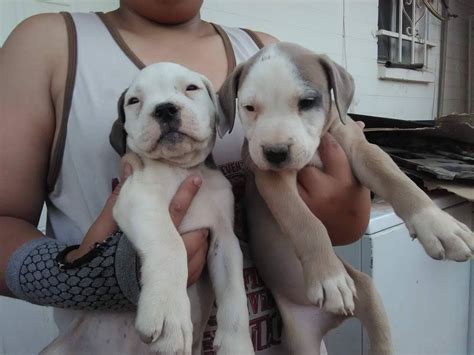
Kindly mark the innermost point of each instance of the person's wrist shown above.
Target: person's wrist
(75, 254)
(83, 249)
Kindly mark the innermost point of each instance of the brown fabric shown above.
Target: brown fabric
(120, 41)
(59, 141)
(254, 37)
(231, 61)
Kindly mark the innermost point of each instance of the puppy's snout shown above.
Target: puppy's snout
(276, 154)
(166, 111)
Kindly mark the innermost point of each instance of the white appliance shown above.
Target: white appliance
(429, 303)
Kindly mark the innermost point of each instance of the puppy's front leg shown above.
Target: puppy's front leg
(225, 265)
(163, 314)
(441, 235)
(327, 283)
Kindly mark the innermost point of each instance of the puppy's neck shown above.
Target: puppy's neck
(187, 161)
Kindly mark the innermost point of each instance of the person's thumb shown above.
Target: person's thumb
(105, 223)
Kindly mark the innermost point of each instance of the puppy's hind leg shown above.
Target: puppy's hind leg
(304, 326)
(201, 296)
(370, 311)
(225, 266)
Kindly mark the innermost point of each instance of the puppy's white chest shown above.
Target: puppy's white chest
(157, 184)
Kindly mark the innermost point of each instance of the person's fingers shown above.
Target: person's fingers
(196, 244)
(310, 178)
(197, 264)
(334, 159)
(195, 240)
(102, 227)
(183, 198)
(105, 223)
(126, 172)
(360, 124)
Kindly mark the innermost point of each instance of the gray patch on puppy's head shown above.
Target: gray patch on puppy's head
(325, 74)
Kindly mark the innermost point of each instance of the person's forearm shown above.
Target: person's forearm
(354, 219)
(14, 232)
(350, 227)
(105, 278)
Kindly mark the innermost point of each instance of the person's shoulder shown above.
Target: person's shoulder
(266, 38)
(42, 34)
(39, 26)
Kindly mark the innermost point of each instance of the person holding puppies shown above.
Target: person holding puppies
(61, 78)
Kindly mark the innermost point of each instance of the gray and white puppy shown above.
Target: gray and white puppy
(282, 96)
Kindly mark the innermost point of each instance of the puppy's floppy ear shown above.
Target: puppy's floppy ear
(228, 101)
(210, 90)
(118, 135)
(212, 95)
(342, 84)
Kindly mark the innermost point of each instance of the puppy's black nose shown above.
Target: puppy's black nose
(166, 111)
(276, 154)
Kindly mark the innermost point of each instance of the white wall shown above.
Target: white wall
(317, 24)
(455, 89)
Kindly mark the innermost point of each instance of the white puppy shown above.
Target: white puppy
(168, 118)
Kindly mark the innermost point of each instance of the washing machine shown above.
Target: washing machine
(429, 303)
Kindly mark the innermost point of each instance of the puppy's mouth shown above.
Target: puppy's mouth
(172, 137)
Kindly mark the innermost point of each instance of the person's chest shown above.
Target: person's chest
(205, 54)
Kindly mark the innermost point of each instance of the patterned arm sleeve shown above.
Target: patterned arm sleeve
(106, 279)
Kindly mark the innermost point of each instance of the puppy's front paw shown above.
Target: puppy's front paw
(231, 342)
(330, 287)
(442, 236)
(164, 322)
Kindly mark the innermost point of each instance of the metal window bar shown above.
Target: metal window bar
(412, 34)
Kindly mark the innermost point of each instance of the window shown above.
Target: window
(403, 32)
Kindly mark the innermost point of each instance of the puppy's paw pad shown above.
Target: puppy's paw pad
(175, 338)
(167, 328)
(226, 342)
(442, 236)
(335, 295)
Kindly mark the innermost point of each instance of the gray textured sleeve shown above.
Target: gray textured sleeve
(106, 280)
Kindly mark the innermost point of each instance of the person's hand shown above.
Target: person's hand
(334, 195)
(195, 242)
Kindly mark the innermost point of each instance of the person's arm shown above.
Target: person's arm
(333, 195)
(31, 89)
(27, 122)
(101, 273)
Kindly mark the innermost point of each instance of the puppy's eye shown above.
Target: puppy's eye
(132, 101)
(249, 108)
(191, 87)
(308, 103)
